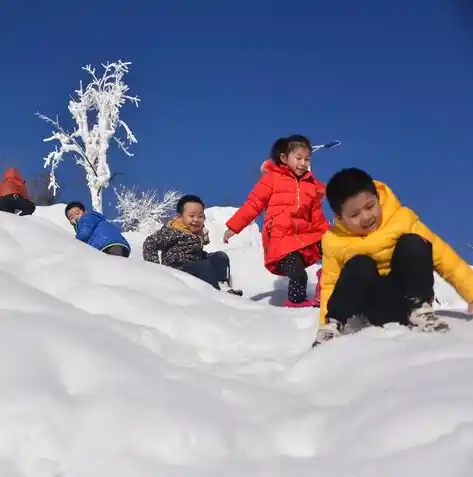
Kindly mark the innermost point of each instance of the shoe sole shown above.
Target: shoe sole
(438, 328)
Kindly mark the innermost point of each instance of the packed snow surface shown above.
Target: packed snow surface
(120, 368)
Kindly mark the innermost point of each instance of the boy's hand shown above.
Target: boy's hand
(205, 236)
(228, 235)
(470, 308)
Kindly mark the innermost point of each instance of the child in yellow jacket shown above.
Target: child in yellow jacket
(379, 261)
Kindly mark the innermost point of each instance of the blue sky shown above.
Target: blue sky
(220, 81)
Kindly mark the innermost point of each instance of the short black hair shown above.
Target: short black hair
(71, 205)
(347, 183)
(285, 145)
(185, 200)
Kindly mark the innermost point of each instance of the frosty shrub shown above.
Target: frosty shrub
(143, 211)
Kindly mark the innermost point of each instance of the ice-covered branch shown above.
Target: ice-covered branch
(143, 211)
(89, 142)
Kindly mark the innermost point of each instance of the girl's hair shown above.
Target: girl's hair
(285, 145)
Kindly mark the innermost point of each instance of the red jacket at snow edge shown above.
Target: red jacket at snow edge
(13, 183)
(294, 218)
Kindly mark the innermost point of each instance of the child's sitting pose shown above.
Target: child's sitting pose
(93, 229)
(294, 221)
(181, 243)
(379, 261)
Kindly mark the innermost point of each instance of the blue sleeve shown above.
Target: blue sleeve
(86, 225)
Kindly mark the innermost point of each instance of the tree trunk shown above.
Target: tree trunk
(96, 197)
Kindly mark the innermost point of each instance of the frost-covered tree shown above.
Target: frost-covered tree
(96, 112)
(144, 211)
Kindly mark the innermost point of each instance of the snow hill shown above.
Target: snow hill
(120, 368)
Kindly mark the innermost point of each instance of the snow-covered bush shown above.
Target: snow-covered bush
(102, 99)
(144, 211)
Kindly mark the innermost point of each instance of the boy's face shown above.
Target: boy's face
(193, 217)
(298, 160)
(361, 214)
(74, 214)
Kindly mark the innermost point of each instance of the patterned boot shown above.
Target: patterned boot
(225, 287)
(331, 329)
(424, 317)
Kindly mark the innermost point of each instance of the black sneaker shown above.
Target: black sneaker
(235, 292)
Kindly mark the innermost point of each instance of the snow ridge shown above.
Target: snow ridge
(124, 368)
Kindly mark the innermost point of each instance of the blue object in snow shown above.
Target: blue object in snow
(94, 229)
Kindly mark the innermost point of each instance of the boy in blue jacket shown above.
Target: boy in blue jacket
(93, 229)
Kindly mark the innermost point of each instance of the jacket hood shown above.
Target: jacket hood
(389, 205)
(264, 166)
(12, 173)
(13, 183)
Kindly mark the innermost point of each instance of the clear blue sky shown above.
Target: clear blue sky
(220, 80)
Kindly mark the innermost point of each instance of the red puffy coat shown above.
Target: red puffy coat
(13, 183)
(294, 218)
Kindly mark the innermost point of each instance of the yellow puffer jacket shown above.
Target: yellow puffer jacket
(339, 246)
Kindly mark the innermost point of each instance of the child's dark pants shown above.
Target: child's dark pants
(117, 250)
(213, 269)
(293, 266)
(12, 202)
(361, 290)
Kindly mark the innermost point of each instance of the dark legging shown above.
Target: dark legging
(293, 266)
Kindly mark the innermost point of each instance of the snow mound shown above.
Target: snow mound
(124, 368)
(217, 217)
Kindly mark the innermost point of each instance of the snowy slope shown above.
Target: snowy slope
(115, 367)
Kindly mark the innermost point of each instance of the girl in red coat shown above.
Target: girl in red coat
(294, 221)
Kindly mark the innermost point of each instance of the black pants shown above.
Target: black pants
(361, 290)
(213, 269)
(13, 202)
(117, 250)
(293, 266)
